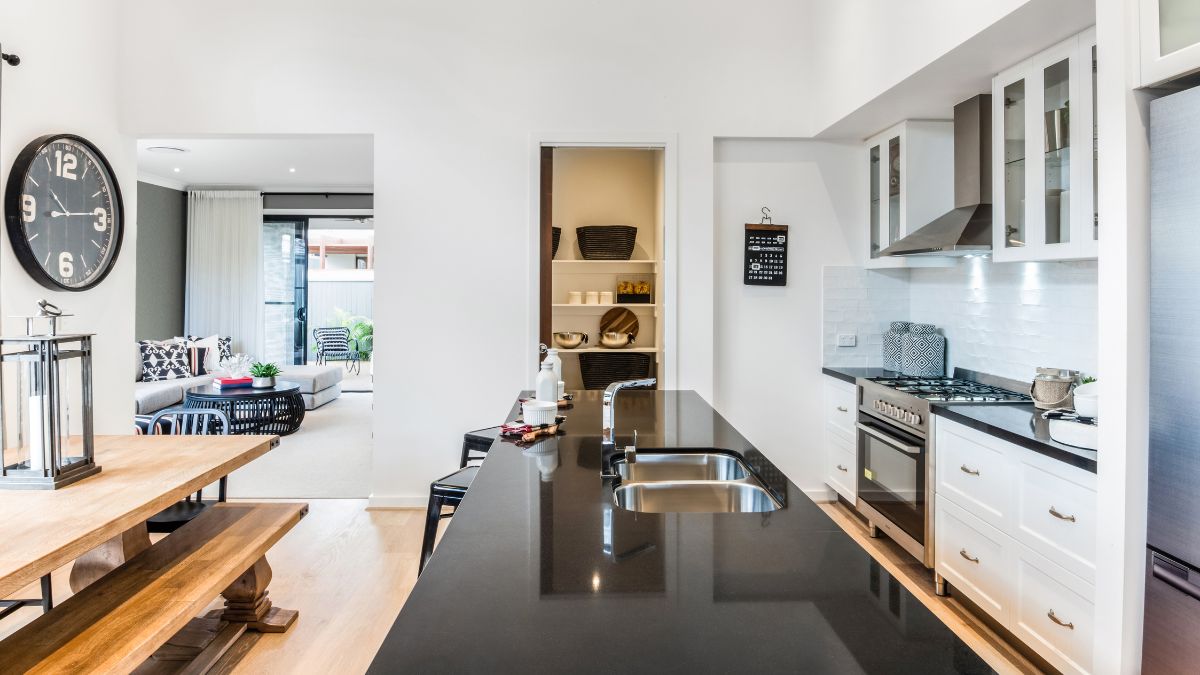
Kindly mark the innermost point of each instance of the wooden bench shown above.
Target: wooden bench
(118, 622)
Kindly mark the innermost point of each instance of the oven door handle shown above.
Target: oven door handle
(914, 450)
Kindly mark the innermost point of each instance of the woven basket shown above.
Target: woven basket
(602, 369)
(555, 235)
(606, 242)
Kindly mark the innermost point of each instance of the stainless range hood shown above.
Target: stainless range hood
(967, 230)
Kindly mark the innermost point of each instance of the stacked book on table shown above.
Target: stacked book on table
(231, 382)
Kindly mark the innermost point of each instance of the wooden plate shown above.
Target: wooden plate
(619, 320)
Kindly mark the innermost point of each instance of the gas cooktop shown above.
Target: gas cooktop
(951, 390)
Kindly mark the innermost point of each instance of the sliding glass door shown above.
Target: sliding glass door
(285, 290)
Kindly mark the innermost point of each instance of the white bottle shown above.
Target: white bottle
(546, 386)
(552, 356)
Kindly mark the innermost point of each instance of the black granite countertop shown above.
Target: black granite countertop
(1018, 423)
(539, 571)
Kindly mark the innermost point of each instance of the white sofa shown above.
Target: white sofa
(318, 385)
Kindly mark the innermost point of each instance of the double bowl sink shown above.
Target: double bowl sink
(689, 481)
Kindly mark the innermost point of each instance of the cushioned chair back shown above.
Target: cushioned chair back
(190, 422)
(332, 339)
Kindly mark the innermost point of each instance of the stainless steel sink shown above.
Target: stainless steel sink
(693, 497)
(651, 466)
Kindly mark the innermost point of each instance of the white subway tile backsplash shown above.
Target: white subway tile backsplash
(1000, 318)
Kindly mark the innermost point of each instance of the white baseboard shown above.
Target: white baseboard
(397, 501)
(821, 495)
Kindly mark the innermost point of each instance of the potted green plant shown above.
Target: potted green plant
(264, 375)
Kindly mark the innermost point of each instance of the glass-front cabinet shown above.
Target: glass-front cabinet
(1044, 155)
(910, 179)
(1170, 39)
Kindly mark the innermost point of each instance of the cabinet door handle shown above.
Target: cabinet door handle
(967, 556)
(842, 468)
(969, 472)
(1054, 512)
(842, 408)
(1065, 624)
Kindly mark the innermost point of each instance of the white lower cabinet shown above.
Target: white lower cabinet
(1054, 612)
(840, 452)
(1014, 531)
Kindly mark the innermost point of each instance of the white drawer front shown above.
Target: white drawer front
(1056, 515)
(974, 476)
(975, 558)
(1054, 613)
(840, 401)
(840, 462)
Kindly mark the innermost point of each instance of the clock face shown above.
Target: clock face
(63, 209)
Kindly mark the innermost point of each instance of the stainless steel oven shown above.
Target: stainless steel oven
(895, 469)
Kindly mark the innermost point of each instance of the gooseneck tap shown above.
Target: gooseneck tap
(608, 434)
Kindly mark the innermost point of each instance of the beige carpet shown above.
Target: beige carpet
(329, 457)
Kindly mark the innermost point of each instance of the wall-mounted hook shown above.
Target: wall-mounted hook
(766, 216)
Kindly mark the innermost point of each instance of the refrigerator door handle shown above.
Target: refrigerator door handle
(1162, 571)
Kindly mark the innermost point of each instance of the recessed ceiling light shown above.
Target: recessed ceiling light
(176, 169)
(166, 149)
(291, 169)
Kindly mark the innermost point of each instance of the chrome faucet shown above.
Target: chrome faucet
(608, 434)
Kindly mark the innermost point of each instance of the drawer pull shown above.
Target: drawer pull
(969, 472)
(842, 468)
(842, 408)
(967, 556)
(1065, 624)
(1054, 512)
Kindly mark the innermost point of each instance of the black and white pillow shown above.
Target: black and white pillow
(163, 360)
(197, 358)
(223, 345)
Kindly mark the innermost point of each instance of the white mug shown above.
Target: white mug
(606, 297)
(574, 297)
(593, 298)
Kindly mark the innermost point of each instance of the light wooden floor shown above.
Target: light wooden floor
(349, 570)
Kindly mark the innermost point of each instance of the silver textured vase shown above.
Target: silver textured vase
(263, 382)
(893, 345)
(923, 351)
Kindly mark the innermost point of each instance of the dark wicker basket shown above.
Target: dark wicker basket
(606, 242)
(555, 235)
(600, 369)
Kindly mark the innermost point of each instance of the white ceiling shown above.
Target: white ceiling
(321, 162)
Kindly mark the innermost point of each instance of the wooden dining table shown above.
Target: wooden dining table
(100, 521)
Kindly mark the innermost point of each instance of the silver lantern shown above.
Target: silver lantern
(46, 438)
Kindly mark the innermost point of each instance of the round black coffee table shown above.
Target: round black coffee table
(278, 410)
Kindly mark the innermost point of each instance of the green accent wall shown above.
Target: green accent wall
(161, 261)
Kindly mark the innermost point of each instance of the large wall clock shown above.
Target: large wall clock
(64, 214)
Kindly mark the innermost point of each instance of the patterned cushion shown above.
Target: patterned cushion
(163, 360)
(223, 345)
(141, 425)
(196, 360)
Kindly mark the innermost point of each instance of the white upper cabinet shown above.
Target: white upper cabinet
(1170, 39)
(1044, 155)
(910, 183)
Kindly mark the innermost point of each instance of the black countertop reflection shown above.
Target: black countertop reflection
(849, 374)
(1019, 423)
(540, 572)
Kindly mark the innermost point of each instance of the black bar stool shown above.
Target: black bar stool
(447, 491)
(476, 444)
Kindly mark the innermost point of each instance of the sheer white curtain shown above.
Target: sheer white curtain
(224, 267)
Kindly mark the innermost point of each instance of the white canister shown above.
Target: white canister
(606, 297)
(592, 298)
(574, 297)
(539, 412)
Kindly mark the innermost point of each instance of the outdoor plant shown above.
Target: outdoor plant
(362, 330)
(264, 370)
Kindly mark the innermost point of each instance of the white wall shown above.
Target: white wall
(768, 344)
(860, 48)
(66, 83)
(452, 93)
(999, 318)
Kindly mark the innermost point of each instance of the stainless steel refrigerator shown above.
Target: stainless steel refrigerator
(1171, 642)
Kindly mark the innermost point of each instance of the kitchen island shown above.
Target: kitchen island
(540, 571)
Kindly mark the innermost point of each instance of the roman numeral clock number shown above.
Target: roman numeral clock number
(62, 200)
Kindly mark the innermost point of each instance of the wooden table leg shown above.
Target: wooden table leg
(108, 556)
(246, 602)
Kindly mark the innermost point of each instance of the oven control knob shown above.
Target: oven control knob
(877, 404)
(913, 418)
